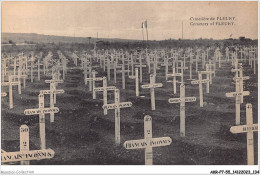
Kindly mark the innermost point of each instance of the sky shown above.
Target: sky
(123, 19)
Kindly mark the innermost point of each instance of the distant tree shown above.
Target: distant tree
(242, 38)
(11, 42)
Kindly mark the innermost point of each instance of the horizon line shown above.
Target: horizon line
(86, 37)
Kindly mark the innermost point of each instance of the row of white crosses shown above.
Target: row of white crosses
(116, 106)
(15, 79)
(182, 67)
(42, 110)
(239, 89)
(250, 127)
(25, 155)
(182, 110)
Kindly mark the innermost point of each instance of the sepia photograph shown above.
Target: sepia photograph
(129, 83)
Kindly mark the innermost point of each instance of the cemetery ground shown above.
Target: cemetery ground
(82, 135)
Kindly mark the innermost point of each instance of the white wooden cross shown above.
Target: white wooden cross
(148, 60)
(132, 64)
(108, 68)
(42, 121)
(10, 83)
(75, 58)
(88, 72)
(209, 76)
(209, 73)
(41, 110)
(38, 65)
(19, 77)
(148, 142)
(212, 67)
(54, 81)
(117, 105)
(182, 70)
(53, 91)
(249, 128)
(123, 71)
(197, 59)
(136, 81)
(182, 101)
(3, 69)
(15, 65)
(24, 142)
(166, 64)
(239, 80)
(218, 56)
(252, 57)
(141, 65)
(203, 57)
(14, 77)
(93, 80)
(237, 95)
(191, 62)
(200, 82)
(25, 155)
(227, 54)
(105, 88)
(22, 64)
(151, 86)
(128, 63)
(115, 70)
(155, 62)
(32, 65)
(174, 75)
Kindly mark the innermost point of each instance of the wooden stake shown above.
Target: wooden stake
(24, 142)
(42, 122)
